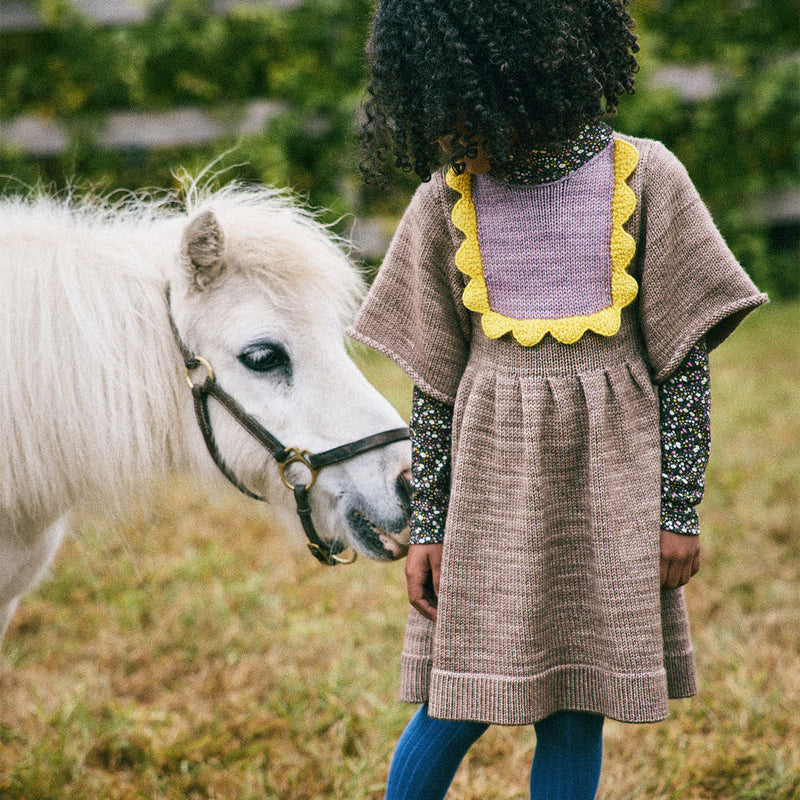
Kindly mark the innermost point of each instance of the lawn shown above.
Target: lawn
(194, 651)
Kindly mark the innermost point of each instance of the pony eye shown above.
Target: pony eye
(265, 357)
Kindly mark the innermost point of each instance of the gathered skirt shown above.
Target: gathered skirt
(550, 595)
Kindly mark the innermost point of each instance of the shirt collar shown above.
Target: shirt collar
(552, 164)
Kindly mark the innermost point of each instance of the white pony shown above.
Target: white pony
(94, 401)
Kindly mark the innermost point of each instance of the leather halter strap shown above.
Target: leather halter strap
(325, 552)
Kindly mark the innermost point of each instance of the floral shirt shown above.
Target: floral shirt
(684, 397)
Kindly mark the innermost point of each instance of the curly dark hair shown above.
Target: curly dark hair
(508, 74)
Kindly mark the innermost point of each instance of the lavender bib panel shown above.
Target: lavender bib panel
(546, 249)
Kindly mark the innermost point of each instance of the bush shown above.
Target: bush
(739, 144)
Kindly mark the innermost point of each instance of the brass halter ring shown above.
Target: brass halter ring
(321, 555)
(201, 363)
(297, 456)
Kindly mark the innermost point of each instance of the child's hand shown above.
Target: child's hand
(680, 559)
(422, 577)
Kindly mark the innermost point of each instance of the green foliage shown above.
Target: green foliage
(718, 31)
(739, 145)
(75, 71)
(739, 148)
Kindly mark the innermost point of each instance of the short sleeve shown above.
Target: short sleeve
(413, 313)
(691, 284)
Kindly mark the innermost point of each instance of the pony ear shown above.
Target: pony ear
(203, 247)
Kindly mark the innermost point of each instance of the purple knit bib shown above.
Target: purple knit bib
(545, 248)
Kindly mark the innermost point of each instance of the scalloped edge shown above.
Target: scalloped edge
(567, 330)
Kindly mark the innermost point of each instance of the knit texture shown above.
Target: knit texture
(551, 269)
(549, 258)
(549, 593)
(684, 413)
(566, 764)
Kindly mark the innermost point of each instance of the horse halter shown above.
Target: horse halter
(325, 552)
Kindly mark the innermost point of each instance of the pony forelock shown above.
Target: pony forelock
(305, 258)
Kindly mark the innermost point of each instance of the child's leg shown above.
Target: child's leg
(568, 757)
(427, 756)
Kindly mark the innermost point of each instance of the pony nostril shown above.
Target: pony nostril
(404, 487)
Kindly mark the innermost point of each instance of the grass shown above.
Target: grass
(193, 652)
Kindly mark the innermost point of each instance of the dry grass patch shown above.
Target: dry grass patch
(194, 653)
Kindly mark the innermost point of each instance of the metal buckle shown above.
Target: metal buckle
(297, 456)
(330, 558)
(201, 362)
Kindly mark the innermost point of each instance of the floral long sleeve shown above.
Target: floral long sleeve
(685, 400)
(431, 425)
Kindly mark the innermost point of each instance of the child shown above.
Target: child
(553, 293)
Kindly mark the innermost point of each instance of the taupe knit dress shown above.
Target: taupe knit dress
(549, 595)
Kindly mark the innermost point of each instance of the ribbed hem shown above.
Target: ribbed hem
(717, 327)
(416, 680)
(416, 377)
(681, 677)
(499, 700)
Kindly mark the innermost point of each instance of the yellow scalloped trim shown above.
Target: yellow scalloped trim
(566, 329)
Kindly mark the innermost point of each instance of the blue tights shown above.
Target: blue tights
(566, 763)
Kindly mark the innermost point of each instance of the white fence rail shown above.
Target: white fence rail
(186, 126)
(18, 15)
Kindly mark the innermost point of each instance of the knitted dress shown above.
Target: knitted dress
(547, 314)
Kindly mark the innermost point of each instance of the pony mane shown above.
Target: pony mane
(268, 221)
(83, 320)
